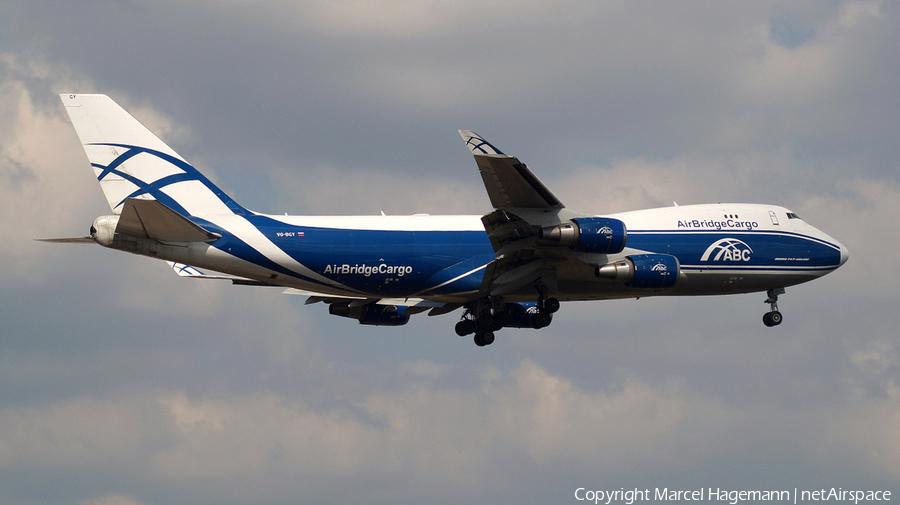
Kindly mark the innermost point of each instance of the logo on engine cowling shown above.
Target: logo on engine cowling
(659, 267)
(727, 249)
(606, 231)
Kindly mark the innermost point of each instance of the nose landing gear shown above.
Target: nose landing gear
(773, 317)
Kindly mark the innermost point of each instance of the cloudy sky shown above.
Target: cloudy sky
(121, 384)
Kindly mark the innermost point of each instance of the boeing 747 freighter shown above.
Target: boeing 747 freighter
(509, 268)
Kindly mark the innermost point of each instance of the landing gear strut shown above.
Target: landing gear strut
(773, 317)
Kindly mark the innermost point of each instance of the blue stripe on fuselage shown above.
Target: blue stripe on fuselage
(386, 263)
(399, 263)
(752, 250)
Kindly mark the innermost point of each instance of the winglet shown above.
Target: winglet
(477, 144)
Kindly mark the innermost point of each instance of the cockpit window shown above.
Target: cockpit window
(791, 215)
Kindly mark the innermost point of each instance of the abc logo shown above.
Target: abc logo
(727, 249)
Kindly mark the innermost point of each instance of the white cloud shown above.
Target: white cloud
(419, 429)
(554, 420)
(862, 215)
(425, 369)
(856, 13)
(438, 436)
(810, 73)
(81, 432)
(773, 177)
(875, 359)
(870, 430)
(45, 183)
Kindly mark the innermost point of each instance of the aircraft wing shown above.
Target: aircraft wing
(414, 305)
(523, 206)
(315, 297)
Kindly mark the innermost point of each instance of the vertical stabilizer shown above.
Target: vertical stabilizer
(130, 161)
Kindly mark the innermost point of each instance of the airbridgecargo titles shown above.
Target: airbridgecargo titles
(718, 225)
(367, 270)
(508, 268)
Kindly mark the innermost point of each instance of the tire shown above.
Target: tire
(483, 339)
(551, 305)
(465, 327)
(485, 321)
(501, 319)
(541, 320)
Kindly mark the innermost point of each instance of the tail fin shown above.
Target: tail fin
(131, 162)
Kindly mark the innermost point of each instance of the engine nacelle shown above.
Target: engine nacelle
(642, 271)
(520, 314)
(601, 235)
(377, 315)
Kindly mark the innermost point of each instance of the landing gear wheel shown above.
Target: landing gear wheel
(541, 320)
(483, 339)
(485, 321)
(551, 305)
(501, 319)
(772, 318)
(465, 327)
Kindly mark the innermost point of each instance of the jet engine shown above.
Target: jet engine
(520, 314)
(642, 271)
(376, 315)
(601, 235)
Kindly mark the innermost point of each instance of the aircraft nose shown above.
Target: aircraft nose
(845, 254)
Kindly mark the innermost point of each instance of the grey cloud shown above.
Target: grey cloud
(182, 391)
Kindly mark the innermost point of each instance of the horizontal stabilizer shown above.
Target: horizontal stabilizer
(73, 240)
(152, 219)
(188, 271)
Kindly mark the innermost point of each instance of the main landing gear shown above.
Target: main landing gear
(773, 317)
(546, 307)
(483, 318)
(483, 326)
(488, 315)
